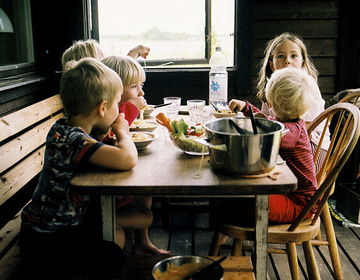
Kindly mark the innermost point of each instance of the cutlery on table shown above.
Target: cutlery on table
(161, 105)
(215, 107)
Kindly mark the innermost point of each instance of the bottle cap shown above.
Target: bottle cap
(218, 49)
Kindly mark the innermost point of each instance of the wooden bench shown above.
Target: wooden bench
(22, 145)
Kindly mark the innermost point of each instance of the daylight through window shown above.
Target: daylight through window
(174, 30)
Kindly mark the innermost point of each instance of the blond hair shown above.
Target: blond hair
(291, 92)
(85, 84)
(82, 49)
(265, 71)
(128, 68)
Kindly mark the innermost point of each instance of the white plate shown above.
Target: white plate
(224, 115)
(150, 126)
(143, 144)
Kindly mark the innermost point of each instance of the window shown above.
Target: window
(174, 30)
(16, 45)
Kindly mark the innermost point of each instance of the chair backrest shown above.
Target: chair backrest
(342, 144)
(353, 96)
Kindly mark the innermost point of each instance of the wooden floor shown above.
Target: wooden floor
(189, 234)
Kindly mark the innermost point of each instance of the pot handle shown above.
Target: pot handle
(206, 142)
(284, 131)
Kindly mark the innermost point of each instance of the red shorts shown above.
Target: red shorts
(282, 209)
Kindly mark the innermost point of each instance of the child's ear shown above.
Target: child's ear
(102, 108)
(271, 65)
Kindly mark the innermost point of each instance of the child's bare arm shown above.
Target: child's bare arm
(139, 50)
(122, 156)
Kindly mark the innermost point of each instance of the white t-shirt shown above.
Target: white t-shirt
(309, 116)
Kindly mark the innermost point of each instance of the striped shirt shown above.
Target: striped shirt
(295, 149)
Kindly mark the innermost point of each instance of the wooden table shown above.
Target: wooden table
(165, 171)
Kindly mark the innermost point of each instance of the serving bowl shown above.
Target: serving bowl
(243, 153)
(143, 125)
(187, 144)
(143, 139)
(185, 266)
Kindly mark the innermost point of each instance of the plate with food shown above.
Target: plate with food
(143, 125)
(224, 113)
(143, 139)
(148, 109)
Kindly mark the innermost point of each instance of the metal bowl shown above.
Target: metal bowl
(243, 153)
(216, 274)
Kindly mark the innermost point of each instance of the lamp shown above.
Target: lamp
(5, 23)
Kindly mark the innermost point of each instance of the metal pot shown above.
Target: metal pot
(241, 151)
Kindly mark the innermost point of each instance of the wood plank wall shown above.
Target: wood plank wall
(317, 22)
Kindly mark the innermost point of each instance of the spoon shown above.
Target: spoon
(253, 121)
(215, 107)
(206, 269)
(161, 105)
(234, 124)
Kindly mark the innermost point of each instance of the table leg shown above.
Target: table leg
(261, 235)
(108, 217)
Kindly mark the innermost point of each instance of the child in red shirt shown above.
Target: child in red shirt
(290, 93)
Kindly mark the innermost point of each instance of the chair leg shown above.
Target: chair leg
(293, 262)
(333, 248)
(311, 265)
(215, 244)
(237, 247)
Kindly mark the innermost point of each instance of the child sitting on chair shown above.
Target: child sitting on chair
(290, 92)
(57, 236)
(133, 214)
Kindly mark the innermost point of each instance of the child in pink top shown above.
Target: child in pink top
(288, 50)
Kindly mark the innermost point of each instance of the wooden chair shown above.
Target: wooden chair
(350, 96)
(304, 231)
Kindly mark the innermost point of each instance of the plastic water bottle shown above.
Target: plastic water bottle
(218, 78)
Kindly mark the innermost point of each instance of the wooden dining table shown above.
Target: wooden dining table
(164, 170)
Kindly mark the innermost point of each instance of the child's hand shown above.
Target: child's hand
(139, 50)
(120, 125)
(139, 102)
(234, 103)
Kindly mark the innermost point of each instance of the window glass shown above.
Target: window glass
(15, 32)
(172, 29)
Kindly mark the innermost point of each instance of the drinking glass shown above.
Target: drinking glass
(194, 104)
(172, 110)
(202, 115)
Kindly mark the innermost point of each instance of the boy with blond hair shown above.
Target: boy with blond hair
(133, 214)
(290, 93)
(56, 233)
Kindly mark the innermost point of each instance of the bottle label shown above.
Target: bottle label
(218, 88)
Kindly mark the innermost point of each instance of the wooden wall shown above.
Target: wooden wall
(317, 22)
(327, 28)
